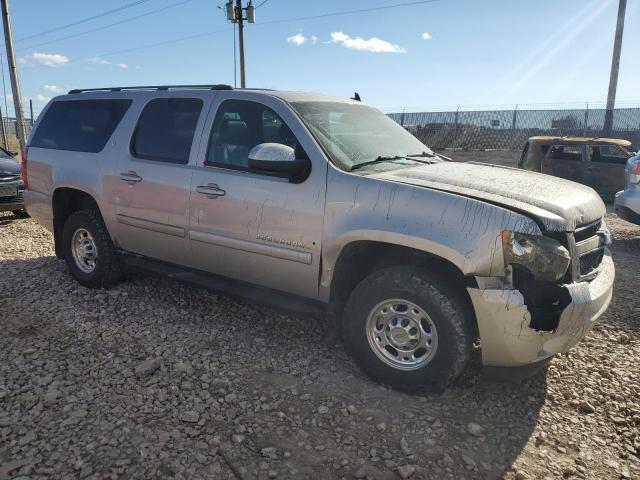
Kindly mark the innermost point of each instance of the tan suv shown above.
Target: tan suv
(597, 162)
(319, 203)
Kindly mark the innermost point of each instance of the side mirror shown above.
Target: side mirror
(279, 160)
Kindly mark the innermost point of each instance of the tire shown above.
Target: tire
(416, 301)
(89, 227)
(22, 213)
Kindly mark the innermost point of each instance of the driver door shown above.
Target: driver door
(247, 225)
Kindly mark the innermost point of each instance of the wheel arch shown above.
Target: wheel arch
(360, 258)
(64, 202)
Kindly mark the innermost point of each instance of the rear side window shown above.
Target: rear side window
(166, 128)
(79, 125)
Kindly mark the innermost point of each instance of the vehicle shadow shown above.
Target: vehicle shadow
(7, 217)
(476, 428)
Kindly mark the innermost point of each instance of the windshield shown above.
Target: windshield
(354, 134)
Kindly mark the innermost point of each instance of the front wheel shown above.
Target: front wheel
(88, 251)
(408, 328)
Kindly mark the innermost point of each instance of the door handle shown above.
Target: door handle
(130, 177)
(211, 190)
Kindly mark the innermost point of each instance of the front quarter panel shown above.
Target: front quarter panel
(462, 230)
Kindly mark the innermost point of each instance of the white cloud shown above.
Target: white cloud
(373, 44)
(314, 39)
(426, 36)
(297, 39)
(98, 61)
(53, 89)
(46, 59)
(42, 98)
(102, 61)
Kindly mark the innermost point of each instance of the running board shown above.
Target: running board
(230, 287)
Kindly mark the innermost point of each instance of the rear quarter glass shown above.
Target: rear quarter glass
(79, 125)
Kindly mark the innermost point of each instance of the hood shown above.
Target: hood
(559, 204)
(9, 166)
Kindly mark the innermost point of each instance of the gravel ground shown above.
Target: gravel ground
(157, 379)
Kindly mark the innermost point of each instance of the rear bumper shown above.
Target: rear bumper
(38, 206)
(503, 320)
(627, 205)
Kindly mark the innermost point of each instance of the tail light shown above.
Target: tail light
(25, 154)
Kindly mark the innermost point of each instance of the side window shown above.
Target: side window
(565, 152)
(165, 129)
(79, 125)
(608, 154)
(239, 126)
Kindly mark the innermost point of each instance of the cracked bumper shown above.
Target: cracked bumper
(503, 320)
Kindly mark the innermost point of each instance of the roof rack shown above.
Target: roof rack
(153, 87)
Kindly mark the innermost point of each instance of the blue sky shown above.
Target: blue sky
(491, 52)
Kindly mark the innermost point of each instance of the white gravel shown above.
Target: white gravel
(157, 379)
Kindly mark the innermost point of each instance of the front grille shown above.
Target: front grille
(586, 246)
(14, 199)
(590, 261)
(587, 231)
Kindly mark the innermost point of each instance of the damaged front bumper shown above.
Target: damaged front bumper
(506, 337)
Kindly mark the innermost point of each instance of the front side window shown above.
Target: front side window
(565, 152)
(523, 156)
(353, 134)
(166, 129)
(239, 126)
(608, 154)
(79, 125)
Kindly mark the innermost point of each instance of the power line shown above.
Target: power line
(166, 42)
(261, 4)
(157, 10)
(347, 12)
(87, 19)
(333, 14)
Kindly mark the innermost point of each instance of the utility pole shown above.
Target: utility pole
(13, 73)
(31, 110)
(615, 67)
(4, 132)
(235, 14)
(243, 78)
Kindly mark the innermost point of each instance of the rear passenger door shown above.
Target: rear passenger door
(153, 178)
(565, 161)
(605, 171)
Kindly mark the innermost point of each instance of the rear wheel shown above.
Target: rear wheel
(88, 251)
(408, 328)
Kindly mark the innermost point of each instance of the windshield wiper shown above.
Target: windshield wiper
(428, 155)
(380, 159)
(414, 157)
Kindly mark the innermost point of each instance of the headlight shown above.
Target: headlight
(544, 257)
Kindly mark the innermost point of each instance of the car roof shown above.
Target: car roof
(287, 96)
(579, 140)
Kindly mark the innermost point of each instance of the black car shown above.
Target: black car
(11, 184)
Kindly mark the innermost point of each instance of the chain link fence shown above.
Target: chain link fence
(8, 138)
(510, 129)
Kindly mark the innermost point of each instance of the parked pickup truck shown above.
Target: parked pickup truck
(320, 203)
